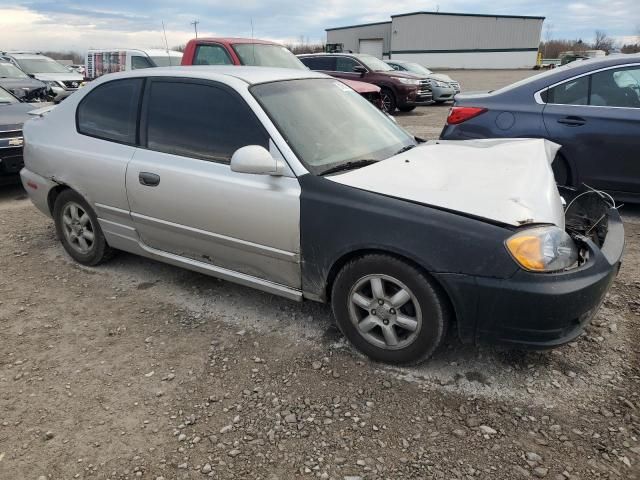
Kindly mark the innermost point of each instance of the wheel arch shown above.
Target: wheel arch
(53, 195)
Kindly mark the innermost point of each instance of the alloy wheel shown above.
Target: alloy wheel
(385, 311)
(78, 228)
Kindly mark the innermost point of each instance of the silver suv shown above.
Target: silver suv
(290, 182)
(56, 76)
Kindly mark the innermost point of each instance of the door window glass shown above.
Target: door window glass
(616, 88)
(200, 121)
(573, 92)
(345, 64)
(320, 63)
(110, 111)
(211, 55)
(140, 62)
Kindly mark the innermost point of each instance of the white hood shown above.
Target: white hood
(64, 77)
(507, 180)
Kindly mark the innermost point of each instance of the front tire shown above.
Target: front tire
(388, 99)
(78, 229)
(389, 310)
(407, 109)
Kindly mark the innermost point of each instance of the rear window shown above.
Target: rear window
(211, 55)
(110, 111)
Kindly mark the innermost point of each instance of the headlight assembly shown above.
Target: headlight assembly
(409, 81)
(543, 249)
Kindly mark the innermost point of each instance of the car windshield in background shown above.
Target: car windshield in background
(41, 65)
(372, 63)
(166, 61)
(6, 97)
(8, 70)
(264, 55)
(417, 68)
(327, 124)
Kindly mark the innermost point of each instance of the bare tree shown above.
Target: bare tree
(603, 41)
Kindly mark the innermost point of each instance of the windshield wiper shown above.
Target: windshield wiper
(348, 166)
(405, 149)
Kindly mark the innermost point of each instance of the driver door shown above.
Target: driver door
(184, 198)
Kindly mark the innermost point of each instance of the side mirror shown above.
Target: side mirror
(360, 69)
(255, 159)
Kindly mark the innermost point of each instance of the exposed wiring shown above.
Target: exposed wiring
(603, 195)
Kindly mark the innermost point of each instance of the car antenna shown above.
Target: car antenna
(253, 45)
(166, 44)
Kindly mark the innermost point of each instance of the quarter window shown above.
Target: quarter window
(110, 111)
(200, 121)
(573, 92)
(211, 55)
(616, 88)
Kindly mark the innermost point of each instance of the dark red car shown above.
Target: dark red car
(399, 90)
(261, 53)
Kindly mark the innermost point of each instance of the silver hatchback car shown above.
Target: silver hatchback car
(290, 182)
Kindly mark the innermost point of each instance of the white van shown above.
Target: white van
(100, 62)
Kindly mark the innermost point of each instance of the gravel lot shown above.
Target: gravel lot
(136, 369)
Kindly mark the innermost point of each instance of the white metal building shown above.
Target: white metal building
(447, 40)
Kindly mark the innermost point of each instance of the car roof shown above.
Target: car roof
(148, 51)
(233, 40)
(335, 54)
(250, 75)
(27, 55)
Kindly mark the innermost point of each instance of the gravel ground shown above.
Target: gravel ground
(136, 369)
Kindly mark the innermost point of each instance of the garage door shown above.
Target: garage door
(372, 47)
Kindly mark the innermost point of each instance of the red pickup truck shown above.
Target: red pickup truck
(262, 53)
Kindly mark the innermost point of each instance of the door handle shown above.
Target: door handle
(572, 121)
(149, 179)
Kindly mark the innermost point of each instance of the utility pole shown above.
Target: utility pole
(195, 26)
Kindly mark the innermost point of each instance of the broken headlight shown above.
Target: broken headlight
(543, 249)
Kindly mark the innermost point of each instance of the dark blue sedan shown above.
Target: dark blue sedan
(591, 108)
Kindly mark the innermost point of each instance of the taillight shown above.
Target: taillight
(462, 114)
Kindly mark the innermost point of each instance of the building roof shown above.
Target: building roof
(435, 13)
(360, 25)
(467, 15)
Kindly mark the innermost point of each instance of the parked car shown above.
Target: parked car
(13, 114)
(399, 90)
(259, 53)
(56, 76)
(591, 108)
(21, 85)
(102, 61)
(443, 87)
(285, 181)
(80, 69)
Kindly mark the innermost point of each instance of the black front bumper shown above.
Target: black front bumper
(537, 310)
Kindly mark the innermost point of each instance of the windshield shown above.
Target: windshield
(264, 55)
(417, 68)
(327, 124)
(7, 70)
(6, 97)
(41, 65)
(372, 63)
(167, 61)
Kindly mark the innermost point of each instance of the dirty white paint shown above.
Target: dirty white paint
(505, 180)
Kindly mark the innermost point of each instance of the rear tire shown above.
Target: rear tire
(388, 99)
(389, 310)
(78, 229)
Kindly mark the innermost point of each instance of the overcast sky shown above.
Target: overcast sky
(78, 25)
